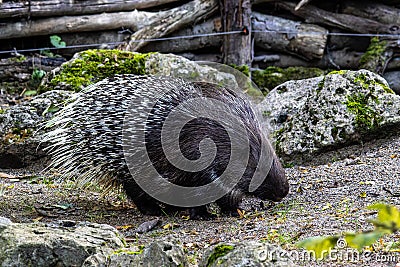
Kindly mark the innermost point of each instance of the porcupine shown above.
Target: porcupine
(85, 140)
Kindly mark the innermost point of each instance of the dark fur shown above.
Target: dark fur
(275, 186)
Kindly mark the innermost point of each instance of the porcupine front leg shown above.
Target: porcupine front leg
(144, 203)
(199, 213)
(230, 202)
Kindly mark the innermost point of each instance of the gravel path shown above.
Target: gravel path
(327, 197)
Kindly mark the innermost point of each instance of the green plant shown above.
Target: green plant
(56, 41)
(218, 252)
(36, 78)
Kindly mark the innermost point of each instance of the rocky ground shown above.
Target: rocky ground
(328, 196)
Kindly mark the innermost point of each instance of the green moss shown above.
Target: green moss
(288, 165)
(338, 72)
(18, 58)
(373, 55)
(219, 251)
(95, 65)
(242, 68)
(365, 115)
(366, 82)
(321, 85)
(130, 252)
(271, 77)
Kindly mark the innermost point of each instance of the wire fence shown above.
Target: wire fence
(392, 36)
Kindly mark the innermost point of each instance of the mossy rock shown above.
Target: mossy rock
(315, 115)
(271, 77)
(91, 66)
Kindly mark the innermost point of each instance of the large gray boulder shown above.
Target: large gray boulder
(61, 244)
(69, 243)
(312, 115)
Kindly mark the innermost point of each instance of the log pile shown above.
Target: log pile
(282, 33)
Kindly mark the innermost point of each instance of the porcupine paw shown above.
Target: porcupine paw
(200, 213)
(149, 208)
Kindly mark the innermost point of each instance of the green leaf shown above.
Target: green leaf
(38, 74)
(388, 217)
(55, 40)
(321, 245)
(53, 109)
(361, 240)
(30, 93)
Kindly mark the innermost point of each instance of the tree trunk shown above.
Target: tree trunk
(50, 8)
(170, 21)
(236, 16)
(301, 39)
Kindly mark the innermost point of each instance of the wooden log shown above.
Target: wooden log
(170, 21)
(104, 39)
(136, 20)
(301, 4)
(352, 23)
(51, 8)
(301, 44)
(394, 64)
(301, 39)
(58, 25)
(202, 57)
(356, 43)
(190, 44)
(16, 69)
(266, 58)
(236, 16)
(344, 59)
(372, 10)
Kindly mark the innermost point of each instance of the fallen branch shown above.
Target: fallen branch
(51, 8)
(170, 21)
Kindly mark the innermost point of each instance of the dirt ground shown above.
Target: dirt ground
(328, 196)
